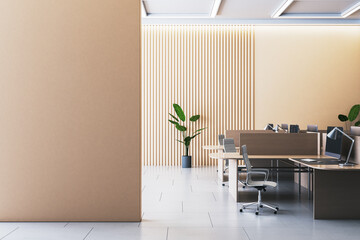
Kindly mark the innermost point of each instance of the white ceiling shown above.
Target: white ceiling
(178, 6)
(249, 11)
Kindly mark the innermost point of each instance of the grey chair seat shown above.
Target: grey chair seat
(262, 184)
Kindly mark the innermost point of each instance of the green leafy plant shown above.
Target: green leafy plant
(353, 114)
(180, 124)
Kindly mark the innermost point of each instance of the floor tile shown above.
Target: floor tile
(206, 234)
(176, 220)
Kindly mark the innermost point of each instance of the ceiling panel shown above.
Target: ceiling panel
(322, 6)
(248, 9)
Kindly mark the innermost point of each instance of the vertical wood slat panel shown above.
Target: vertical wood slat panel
(208, 70)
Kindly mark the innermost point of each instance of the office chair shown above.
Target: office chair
(285, 127)
(229, 147)
(221, 139)
(312, 128)
(355, 131)
(269, 126)
(258, 184)
(294, 129)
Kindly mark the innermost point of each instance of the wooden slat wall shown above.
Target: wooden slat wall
(208, 70)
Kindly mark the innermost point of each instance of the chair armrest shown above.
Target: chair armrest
(250, 173)
(262, 170)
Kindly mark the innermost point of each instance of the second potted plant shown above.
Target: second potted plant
(352, 116)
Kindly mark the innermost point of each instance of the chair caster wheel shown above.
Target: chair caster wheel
(277, 208)
(244, 187)
(261, 206)
(275, 212)
(224, 172)
(223, 184)
(241, 210)
(256, 213)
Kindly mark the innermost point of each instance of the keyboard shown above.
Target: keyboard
(322, 161)
(308, 160)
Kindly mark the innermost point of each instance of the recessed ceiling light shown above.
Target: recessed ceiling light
(214, 11)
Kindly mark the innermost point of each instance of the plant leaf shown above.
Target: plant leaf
(195, 118)
(180, 128)
(179, 112)
(180, 141)
(199, 130)
(354, 112)
(174, 117)
(195, 135)
(187, 140)
(357, 123)
(173, 122)
(342, 118)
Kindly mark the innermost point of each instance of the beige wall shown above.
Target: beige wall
(306, 74)
(70, 110)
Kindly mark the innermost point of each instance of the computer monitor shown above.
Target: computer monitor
(333, 147)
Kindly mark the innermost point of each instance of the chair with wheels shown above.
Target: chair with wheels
(221, 143)
(260, 185)
(229, 147)
(221, 139)
(312, 128)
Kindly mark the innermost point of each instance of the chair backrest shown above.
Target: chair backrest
(285, 126)
(355, 131)
(294, 129)
(229, 145)
(269, 126)
(312, 128)
(221, 139)
(246, 158)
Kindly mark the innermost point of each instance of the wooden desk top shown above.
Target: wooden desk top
(238, 156)
(215, 147)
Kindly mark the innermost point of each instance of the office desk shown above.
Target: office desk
(220, 149)
(216, 147)
(335, 187)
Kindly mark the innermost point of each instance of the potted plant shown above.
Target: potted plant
(353, 114)
(187, 134)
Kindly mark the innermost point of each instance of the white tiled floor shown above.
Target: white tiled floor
(187, 204)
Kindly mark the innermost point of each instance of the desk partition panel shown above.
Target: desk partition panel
(280, 143)
(235, 134)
